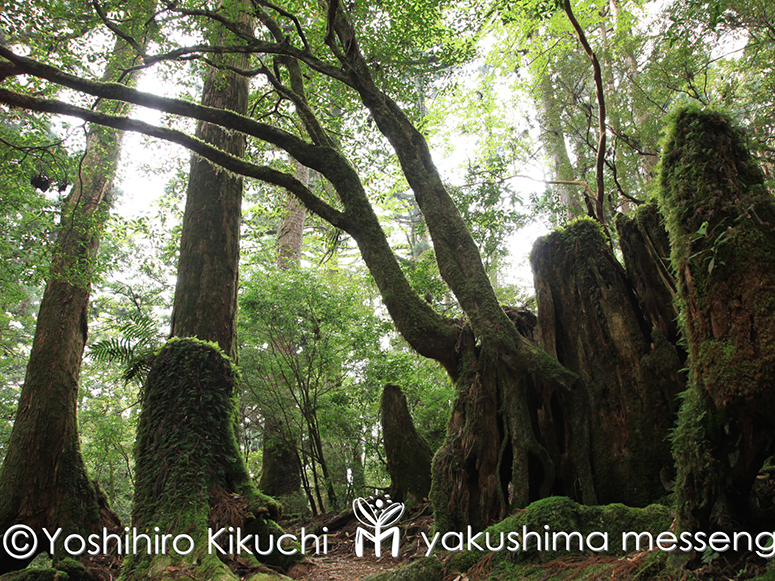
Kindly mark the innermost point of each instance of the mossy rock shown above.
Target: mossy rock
(561, 514)
(46, 574)
(64, 570)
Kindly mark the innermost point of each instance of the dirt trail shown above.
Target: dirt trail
(340, 562)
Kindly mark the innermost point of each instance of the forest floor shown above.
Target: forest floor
(340, 562)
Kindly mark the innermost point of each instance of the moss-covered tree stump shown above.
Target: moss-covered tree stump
(190, 475)
(721, 221)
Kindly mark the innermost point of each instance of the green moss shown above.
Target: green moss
(720, 219)
(561, 514)
(190, 476)
(505, 571)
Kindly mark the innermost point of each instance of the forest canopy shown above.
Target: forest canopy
(328, 256)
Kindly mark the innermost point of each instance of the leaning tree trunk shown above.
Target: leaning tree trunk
(589, 318)
(721, 221)
(43, 482)
(408, 454)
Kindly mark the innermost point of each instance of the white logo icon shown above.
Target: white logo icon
(377, 514)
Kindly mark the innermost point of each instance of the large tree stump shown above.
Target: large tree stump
(190, 473)
(590, 320)
(721, 221)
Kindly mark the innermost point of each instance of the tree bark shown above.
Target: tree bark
(720, 217)
(43, 482)
(205, 304)
(291, 232)
(590, 319)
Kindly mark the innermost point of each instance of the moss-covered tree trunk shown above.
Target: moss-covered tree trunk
(408, 454)
(589, 318)
(721, 221)
(43, 482)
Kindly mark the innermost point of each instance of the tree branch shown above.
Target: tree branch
(213, 154)
(117, 31)
(427, 331)
(601, 110)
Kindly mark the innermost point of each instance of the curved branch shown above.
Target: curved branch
(197, 146)
(428, 332)
(310, 155)
(9, 70)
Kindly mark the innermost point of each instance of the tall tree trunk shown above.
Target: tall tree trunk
(720, 217)
(43, 482)
(487, 360)
(553, 139)
(205, 304)
(190, 475)
(281, 467)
